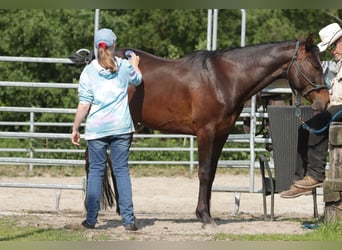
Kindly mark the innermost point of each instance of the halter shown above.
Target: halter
(315, 86)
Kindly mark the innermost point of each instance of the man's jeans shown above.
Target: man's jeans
(312, 148)
(119, 150)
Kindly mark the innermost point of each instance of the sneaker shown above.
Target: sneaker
(87, 225)
(295, 192)
(131, 227)
(308, 182)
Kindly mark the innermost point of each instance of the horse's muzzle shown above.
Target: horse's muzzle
(319, 106)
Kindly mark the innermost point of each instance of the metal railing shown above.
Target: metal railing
(241, 138)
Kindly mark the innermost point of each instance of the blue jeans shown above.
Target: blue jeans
(119, 151)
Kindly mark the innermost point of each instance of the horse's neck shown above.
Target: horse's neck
(268, 64)
(258, 66)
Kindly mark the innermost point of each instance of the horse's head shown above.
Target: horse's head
(305, 74)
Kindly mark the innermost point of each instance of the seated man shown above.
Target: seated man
(312, 148)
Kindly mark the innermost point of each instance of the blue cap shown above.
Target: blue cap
(106, 36)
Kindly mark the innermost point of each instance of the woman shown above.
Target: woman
(103, 98)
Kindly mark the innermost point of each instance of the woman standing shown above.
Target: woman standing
(103, 98)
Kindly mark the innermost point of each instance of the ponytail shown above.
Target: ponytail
(106, 58)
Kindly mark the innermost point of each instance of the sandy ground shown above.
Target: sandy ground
(164, 207)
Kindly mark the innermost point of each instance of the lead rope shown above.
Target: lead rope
(318, 131)
(298, 98)
(298, 112)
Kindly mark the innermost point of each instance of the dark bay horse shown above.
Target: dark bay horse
(203, 94)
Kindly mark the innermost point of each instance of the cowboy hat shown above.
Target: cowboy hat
(329, 34)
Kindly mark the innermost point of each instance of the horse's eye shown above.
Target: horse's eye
(316, 64)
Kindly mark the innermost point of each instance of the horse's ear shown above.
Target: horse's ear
(309, 43)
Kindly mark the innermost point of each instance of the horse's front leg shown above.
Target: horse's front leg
(205, 151)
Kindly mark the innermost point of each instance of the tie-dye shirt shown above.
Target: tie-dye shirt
(107, 93)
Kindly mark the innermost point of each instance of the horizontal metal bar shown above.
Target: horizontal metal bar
(175, 149)
(277, 90)
(44, 186)
(35, 135)
(15, 123)
(232, 138)
(56, 150)
(39, 85)
(38, 110)
(35, 59)
(228, 149)
(36, 124)
(162, 136)
(234, 163)
(39, 161)
(232, 189)
(133, 149)
(257, 115)
(22, 150)
(72, 111)
(44, 161)
(54, 162)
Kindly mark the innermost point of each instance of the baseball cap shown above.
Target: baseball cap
(106, 36)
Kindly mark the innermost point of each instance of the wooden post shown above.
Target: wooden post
(332, 187)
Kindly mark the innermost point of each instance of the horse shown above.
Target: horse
(203, 94)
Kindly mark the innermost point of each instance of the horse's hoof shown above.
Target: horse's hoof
(211, 225)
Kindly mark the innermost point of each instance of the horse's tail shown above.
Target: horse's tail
(109, 191)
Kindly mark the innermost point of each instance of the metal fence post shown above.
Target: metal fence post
(31, 140)
(191, 154)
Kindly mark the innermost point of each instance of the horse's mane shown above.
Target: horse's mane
(205, 55)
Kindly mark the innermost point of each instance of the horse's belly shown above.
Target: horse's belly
(163, 119)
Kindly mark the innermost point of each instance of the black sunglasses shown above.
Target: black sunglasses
(332, 46)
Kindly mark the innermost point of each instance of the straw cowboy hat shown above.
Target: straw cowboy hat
(329, 34)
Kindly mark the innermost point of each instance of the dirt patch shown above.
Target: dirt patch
(164, 207)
